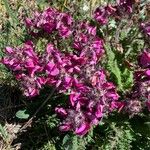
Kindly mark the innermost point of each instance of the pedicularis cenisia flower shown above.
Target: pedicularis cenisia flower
(77, 73)
(143, 81)
(24, 62)
(49, 21)
(122, 8)
(139, 98)
(146, 28)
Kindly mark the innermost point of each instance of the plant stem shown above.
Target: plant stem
(30, 120)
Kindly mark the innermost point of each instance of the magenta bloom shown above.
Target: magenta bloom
(65, 127)
(144, 59)
(146, 28)
(61, 111)
(22, 59)
(64, 23)
(126, 4)
(83, 129)
(51, 69)
(89, 104)
(101, 15)
(148, 104)
(117, 105)
(24, 63)
(133, 107)
(30, 86)
(50, 20)
(141, 89)
(77, 74)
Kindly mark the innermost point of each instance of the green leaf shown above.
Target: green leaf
(21, 114)
(128, 78)
(41, 4)
(70, 143)
(3, 132)
(112, 24)
(113, 66)
(124, 77)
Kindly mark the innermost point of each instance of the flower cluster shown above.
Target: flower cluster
(133, 107)
(146, 28)
(91, 96)
(140, 95)
(77, 73)
(126, 5)
(91, 99)
(49, 21)
(102, 14)
(138, 98)
(24, 63)
(144, 82)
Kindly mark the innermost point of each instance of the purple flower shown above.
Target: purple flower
(24, 63)
(9, 50)
(29, 85)
(32, 67)
(148, 104)
(112, 94)
(28, 22)
(89, 104)
(51, 69)
(146, 28)
(78, 74)
(64, 19)
(40, 81)
(102, 14)
(64, 31)
(126, 4)
(91, 30)
(83, 129)
(74, 97)
(141, 90)
(144, 59)
(61, 111)
(65, 127)
(50, 20)
(133, 107)
(147, 73)
(99, 111)
(117, 105)
(64, 22)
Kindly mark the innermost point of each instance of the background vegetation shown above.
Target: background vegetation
(24, 126)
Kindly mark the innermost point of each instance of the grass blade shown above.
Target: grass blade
(10, 12)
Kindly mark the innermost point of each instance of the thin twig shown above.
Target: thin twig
(30, 120)
(12, 107)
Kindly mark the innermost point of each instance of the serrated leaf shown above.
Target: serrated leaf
(3, 132)
(21, 114)
(128, 78)
(113, 66)
(124, 79)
